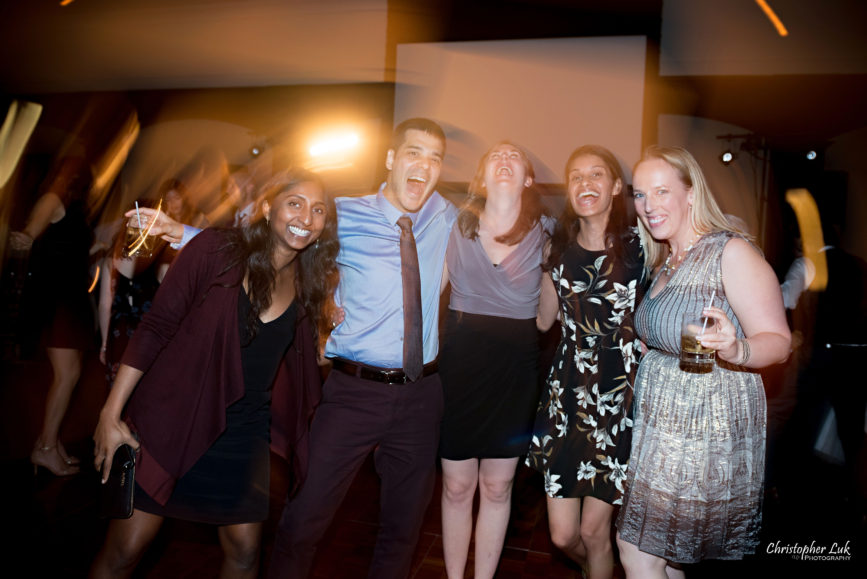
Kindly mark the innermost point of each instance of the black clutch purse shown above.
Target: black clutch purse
(115, 500)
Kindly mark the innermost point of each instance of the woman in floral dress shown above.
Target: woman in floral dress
(582, 434)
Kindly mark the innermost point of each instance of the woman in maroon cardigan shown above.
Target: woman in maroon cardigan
(198, 370)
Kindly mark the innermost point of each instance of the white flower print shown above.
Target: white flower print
(540, 444)
(586, 471)
(625, 423)
(623, 296)
(602, 438)
(628, 354)
(585, 360)
(569, 324)
(557, 275)
(552, 487)
(580, 396)
(608, 403)
(618, 472)
(556, 393)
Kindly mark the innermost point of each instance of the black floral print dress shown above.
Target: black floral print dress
(582, 434)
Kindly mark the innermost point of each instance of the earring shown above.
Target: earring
(267, 219)
(316, 245)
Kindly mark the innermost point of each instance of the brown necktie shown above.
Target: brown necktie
(413, 359)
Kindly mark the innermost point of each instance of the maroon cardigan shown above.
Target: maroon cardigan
(188, 347)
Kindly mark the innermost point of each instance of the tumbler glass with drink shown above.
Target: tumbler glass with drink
(138, 242)
(694, 357)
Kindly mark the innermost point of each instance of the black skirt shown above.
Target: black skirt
(490, 375)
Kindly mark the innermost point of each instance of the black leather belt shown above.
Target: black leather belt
(385, 375)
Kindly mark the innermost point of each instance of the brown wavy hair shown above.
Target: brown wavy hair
(532, 207)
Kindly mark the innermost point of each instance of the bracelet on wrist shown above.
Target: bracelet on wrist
(745, 352)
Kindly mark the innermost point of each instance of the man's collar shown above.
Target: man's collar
(392, 213)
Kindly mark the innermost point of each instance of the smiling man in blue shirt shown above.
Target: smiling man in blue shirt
(368, 404)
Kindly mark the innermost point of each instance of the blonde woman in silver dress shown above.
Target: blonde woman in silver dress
(695, 472)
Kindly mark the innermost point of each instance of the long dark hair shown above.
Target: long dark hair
(619, 230)
(316, 274)
(532, 208)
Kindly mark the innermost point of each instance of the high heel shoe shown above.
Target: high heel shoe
(70, 460)
(48, 457)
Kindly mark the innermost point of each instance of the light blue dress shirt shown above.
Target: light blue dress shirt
(370, 289)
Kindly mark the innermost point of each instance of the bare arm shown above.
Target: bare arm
(548, 306)
(445, 280)
(48, 209)
(754, 294)
(548, 300)
(111, 431)
(106, 296)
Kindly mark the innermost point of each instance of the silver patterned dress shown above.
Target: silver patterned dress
(698, 443)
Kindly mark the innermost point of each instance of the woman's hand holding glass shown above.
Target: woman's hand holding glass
(163, 225)
(721, 336)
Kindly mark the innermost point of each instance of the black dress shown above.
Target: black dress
(230, 483)
(583, 431)
(60, 278)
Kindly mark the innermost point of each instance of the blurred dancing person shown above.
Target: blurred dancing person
(59, 237)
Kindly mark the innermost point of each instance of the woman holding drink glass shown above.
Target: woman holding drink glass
(128, 282)
(199, 369)
(695, 472)
(134, 269)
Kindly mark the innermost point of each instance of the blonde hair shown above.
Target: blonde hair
(705, 215)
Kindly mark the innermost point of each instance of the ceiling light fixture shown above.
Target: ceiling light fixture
(748, 143)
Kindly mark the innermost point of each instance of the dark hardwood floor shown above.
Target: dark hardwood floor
(55, 532)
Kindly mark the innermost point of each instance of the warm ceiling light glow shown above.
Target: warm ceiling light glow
(775, 20)
(66, 2)
(334, 144)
